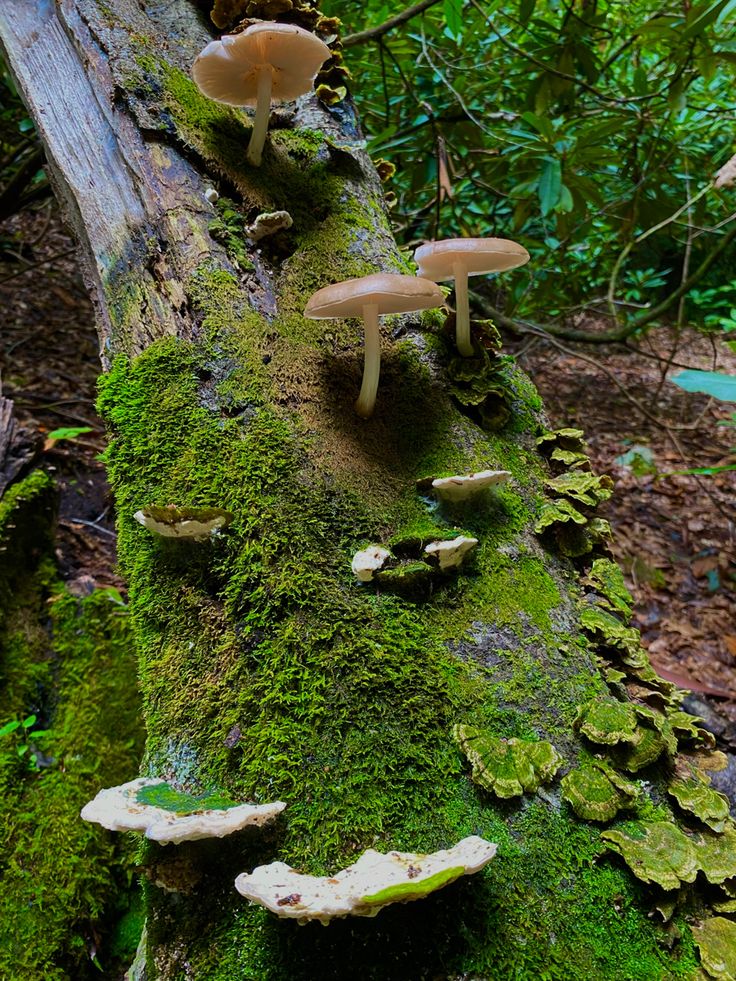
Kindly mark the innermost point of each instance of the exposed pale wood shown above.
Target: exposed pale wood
(128, 201)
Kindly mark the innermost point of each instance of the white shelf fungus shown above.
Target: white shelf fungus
(451, 553)
(167, 815)
(464, 486)
(363, 889)
(368, 561)
(173, 522)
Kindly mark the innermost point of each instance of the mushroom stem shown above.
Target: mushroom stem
(372, 367)
(462, 310)
(260, 122)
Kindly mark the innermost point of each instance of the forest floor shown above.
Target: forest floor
(674, 534)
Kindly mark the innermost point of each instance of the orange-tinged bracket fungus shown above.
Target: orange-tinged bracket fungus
(172, 522)
(267, 62)
(458, 258)
(170, 816)
(368, 298)
(363, 889)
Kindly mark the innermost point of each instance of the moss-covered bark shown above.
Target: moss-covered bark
(267, 671)
(69, 663)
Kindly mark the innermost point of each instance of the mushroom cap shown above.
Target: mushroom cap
(391, 292)
(478, 255)
(227, 70)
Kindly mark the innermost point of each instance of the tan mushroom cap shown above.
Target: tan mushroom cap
(227, 70)
(390, 292)
(478, 255)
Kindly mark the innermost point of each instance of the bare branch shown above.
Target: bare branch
(373, 32)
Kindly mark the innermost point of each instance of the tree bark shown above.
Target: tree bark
(265, 669)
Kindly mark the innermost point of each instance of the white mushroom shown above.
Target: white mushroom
(368, 297)
(165, 815)
(458, 258)
(368, 561)
(267, 61)
(463, 486)
(452, 552)
(363, 889)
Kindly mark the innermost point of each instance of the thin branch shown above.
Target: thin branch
(373, 32)
(620, 333)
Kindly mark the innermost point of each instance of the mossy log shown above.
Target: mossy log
(267, 671)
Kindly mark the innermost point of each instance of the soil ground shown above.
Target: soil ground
(674, 534)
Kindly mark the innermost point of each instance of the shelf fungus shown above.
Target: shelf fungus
(655, 852)
(597, 793)
(607, 721)
(660, 852)
(363, 889)
(607, 579)
(702, 800)
(462, 487)
(588, 489)
(171, 816)
(507, 767)
(716, 940)
(451, 553)
(269, 223)
(566, 447)
(173, 522)
(368, 561)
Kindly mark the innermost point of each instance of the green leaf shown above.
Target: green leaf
(69, 432)
(541, 124)
(28, 722)
(714, 383)
(453, 14)
(526, 9)
(9, 727)
(550, 185)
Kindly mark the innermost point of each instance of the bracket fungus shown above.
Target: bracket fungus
(596, 792)
(452, 552)
(507, 767)
(364, 888)
(368, 297)
(461, 487)
(607, 721)
(655, 852)
(266, 62)
(269, 223)
(173, 522)
(458, 258)
(170, 816)
(368, 561)
(702, 800)
(716, 940)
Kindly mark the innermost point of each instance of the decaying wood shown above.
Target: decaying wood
(18, 446)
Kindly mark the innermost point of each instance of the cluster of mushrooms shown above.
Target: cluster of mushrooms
(279, 62)
(272, 62)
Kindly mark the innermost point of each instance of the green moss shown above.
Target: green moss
(59, 877)
(170, 799)
(413, 890)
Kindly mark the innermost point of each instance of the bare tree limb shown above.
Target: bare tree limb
(374, 32)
